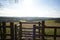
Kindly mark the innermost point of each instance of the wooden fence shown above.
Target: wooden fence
(16, 32)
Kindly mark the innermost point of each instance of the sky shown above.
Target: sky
(30, 8)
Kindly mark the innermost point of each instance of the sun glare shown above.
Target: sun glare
(27, 8)
(27, 1)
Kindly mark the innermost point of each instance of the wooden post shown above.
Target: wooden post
(12, 30)
(39, 30)
(20, 29)
(0, 31)
(34, 32)
(43, 30)
(15, 32)
(3, 30)
(55, 30)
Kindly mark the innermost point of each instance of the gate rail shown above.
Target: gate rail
(45, 35)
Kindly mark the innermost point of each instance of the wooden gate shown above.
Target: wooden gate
(17, 33)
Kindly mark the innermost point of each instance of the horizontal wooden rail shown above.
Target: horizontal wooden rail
(27, 28)
(50, 35)
(7, 34)
(7, 39)
(30, 22)
(45, 35)
(48, 27)
(27, 36)
(37, 27)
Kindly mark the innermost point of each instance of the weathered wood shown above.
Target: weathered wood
(29, 22)
(15, 32)
(34, 32)
(0, 30)
(55, 31)
(3, 31)
(20, 29)
(12, 30)
(39, 30)
(58, 27)
(43, 30)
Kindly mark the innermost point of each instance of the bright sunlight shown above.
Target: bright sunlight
(29, 8)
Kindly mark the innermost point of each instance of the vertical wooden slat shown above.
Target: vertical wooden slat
(39, 30)
(15, 32)
(12, 30)
(55, 30)
(4, 31)
(0, 31)
(20, 33)
(34, 32)
(43, 32)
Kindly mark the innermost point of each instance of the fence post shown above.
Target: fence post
(3, 30)
(15, 32)
(34, 32)
(12, 30)
(55, 30)
(39, 30)
(20, 33)
(0, 31)
(43, 30)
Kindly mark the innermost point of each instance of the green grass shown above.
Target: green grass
(8, 31)
(49, 31)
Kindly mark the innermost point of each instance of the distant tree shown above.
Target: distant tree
(57, 20)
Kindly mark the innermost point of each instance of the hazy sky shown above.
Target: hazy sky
(30, 8)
